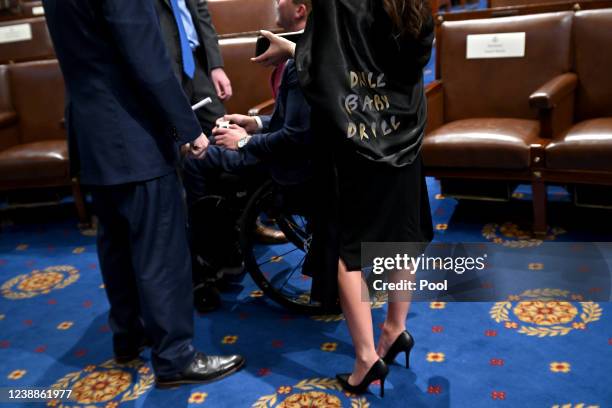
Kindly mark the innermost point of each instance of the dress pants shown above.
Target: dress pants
(146, 268)
(198, 174)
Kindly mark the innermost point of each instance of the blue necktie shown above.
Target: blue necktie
(187, 53)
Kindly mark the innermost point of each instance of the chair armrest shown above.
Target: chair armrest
(264, 108)
(554, 91)
(555, 104)
(434, 92)
(7, 118)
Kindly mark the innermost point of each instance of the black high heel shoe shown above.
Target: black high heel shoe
(405, 343)
(378, 371)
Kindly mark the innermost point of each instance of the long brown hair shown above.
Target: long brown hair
(408, 16)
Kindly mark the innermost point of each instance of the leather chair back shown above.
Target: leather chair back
(500, 87)
(250, 81)
(34, 43)
(240, 16)
(37, 93)
(9, 134)
(32, 8)
(593, 61)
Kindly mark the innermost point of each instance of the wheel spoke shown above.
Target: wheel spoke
(281, 255)
(291, 274)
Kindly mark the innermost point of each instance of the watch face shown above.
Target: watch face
(242, 142)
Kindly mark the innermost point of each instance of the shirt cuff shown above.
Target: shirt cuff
(259, 122)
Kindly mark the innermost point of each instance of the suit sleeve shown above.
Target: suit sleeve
(294, 136)
(211, 40)
(135, 28)
(265, 121)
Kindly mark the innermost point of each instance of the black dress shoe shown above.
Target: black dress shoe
(378, 371)
(203, 369)
(206, 297)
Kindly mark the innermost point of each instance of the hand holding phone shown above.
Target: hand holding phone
(272, 49)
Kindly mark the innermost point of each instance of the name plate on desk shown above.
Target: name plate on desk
(502, 45)
(15, 33)
(38, 11)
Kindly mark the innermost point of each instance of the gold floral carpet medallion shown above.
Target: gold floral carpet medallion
(512, 236)
(311, 393)
(107, 385)
(39, 282)
(539, 312)
(311, 399)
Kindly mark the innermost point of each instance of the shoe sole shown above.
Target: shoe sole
(174, 384)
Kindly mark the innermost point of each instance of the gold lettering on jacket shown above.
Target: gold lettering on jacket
(368, 96)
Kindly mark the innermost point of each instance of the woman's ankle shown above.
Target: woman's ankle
(367, 359)
(392, 330)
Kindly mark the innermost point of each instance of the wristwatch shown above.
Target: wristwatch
(242, 142)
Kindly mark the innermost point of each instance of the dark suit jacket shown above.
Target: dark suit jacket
(286, 142)
(207, 35)
(125, 109)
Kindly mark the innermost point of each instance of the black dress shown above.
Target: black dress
(365, 87)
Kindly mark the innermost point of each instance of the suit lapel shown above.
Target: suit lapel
(167, 3)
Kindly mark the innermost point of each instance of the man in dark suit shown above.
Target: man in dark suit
(125, 115)
(278, 144)
(199, 67)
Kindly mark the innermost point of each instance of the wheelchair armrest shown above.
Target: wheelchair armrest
(264, 108)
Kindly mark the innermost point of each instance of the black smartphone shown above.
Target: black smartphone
(263, 43)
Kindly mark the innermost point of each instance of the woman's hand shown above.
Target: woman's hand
(280, 50)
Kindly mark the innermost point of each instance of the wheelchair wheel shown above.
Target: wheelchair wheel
(277, 269)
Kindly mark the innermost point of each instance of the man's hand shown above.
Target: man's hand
(229, 138)
(247, 122)
(198, 147)
(222, 84)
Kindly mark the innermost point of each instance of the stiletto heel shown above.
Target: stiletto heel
(403, 343)
(378, 371)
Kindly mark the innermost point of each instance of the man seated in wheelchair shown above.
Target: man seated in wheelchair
(246, 151)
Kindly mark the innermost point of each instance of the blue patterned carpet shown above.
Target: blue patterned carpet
(53, 331)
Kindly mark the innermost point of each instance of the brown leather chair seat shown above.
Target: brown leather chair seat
(38, 160)
(585, 146)
(482, 143)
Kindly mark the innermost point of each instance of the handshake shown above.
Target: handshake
(230, 132)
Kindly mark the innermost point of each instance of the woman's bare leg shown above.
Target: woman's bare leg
(397, 313)
(358, 317)
(395, 323)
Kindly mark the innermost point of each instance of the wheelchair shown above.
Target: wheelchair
(276, 266)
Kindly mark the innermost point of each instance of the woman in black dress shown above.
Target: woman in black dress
(360, 65)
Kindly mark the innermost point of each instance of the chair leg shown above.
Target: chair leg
(539, 207)
(79, 202)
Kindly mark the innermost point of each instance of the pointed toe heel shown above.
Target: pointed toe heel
(403, 343)
(378, 371)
